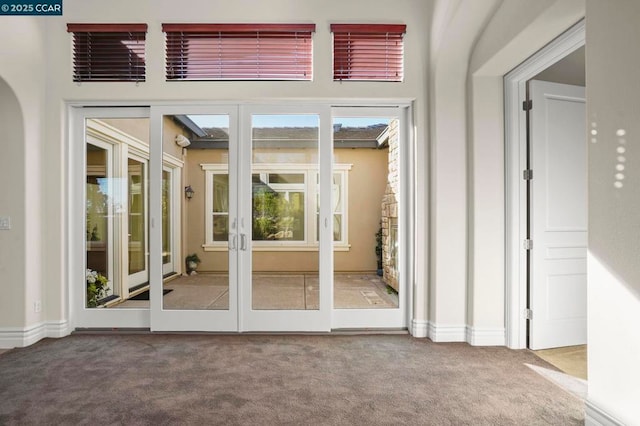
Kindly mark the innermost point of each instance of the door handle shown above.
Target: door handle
(234, 242)
(243, 242)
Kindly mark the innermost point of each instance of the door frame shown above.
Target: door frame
(395, 317)
(142, 318)
(515, 93)
(79, 315)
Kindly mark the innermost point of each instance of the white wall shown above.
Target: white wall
(613, 108)
(12, 244)
(49, 200)
(455, 33)
(22, 100)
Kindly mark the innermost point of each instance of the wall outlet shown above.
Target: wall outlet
(37, 306)
(5, 222)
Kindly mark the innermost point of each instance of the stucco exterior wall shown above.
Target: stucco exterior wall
(366, 185)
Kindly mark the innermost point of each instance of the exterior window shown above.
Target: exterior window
(239, 51)
(285, 206)
(108, 52)
(278, 206)
(368, 52)
(220, 207)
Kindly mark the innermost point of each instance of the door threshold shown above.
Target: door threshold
(334, 332)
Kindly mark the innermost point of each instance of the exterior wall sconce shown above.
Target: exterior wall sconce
(188, 192)
(182, 141)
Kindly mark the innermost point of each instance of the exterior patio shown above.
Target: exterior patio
(274, 292)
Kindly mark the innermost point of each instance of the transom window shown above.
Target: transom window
(368, 52)
(239, 51)
(108, 52)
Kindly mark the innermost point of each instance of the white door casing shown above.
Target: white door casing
(515, 91)
(558, 221)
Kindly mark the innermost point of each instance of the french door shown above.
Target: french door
(244, 217)
(255, 219)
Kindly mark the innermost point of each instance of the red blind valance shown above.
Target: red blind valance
(368, 52)
(239, 51)
(108, 52)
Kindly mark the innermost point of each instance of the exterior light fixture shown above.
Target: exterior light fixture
(182, 141)
(188, 192)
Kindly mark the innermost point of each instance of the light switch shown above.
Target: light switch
(5, 223)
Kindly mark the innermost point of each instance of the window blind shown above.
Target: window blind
(239, 51)
(108, 52)
(368, 52)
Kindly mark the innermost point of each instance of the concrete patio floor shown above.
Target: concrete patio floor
(274, 292)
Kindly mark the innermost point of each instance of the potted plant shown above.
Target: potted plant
(379, 251)
(192, 261)
(97, 287)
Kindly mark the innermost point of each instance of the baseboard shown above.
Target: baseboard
(595, 416)
(477, 336)
(419, 328)
(21, 337)
(447, 333)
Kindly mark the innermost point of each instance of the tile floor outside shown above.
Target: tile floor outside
(273, 292)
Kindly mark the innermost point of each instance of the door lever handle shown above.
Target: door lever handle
(243, 242)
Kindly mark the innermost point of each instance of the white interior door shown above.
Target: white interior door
(558, 215)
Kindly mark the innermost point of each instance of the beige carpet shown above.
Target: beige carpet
(199, 379)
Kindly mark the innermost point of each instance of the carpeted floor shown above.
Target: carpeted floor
(276, 379)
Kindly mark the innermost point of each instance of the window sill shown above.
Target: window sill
(280, 248)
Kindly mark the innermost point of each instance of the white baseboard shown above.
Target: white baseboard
(477, 336)
(447, 333)
(21, 337)
(595, 416)
(419, 328)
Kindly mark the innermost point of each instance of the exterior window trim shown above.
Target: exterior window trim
(310, 190)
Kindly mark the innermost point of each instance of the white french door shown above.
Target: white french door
(285, 224)
(137, 225)
(246, 217)
(205, 296)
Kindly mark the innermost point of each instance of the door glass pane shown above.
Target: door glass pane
(99, 225)
(116, 204)
(201, 217)
(137, 218)
(284, 205)
(365, 196)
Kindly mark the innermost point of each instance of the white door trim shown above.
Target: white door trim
(515, 188)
